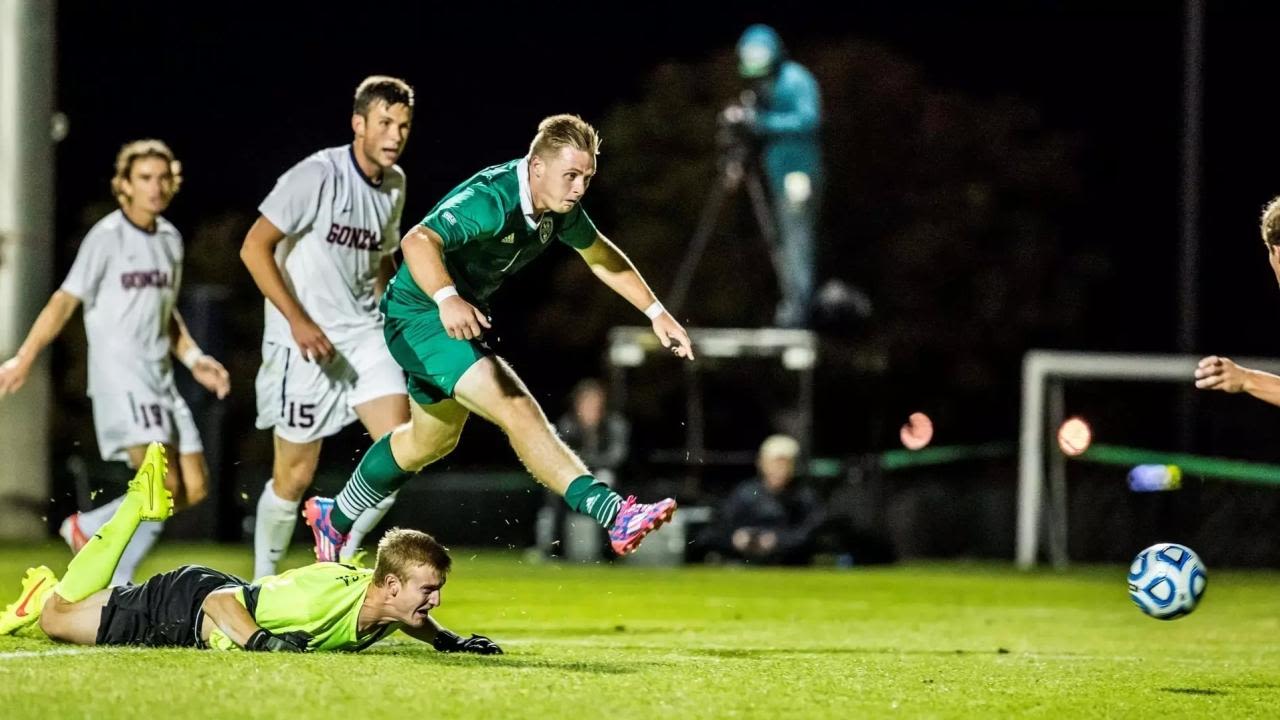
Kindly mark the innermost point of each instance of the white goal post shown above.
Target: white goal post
(1042, 408)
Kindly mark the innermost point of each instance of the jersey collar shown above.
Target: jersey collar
(526, 194)
(351, 152)
(139, 228)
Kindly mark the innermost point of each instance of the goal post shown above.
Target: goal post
(1042, 475)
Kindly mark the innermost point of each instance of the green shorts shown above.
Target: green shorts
(431, 359)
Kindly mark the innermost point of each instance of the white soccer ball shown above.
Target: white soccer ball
(1167, 580)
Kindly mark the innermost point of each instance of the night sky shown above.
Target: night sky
(241, 93)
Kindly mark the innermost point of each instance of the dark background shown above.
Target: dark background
(1001, 177)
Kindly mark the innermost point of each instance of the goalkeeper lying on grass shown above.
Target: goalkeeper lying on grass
(326, 606)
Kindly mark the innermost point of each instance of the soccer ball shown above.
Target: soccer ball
(1167, 580)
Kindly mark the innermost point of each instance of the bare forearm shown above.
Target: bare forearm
(180, 340)
(424, 254)
(427, 633)
(630, 285)
(266, 275)
(616, 271)
(1262, 385)
(257, 253)
(48, 325)
(230, 616)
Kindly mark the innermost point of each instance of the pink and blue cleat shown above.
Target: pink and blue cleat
(636, 520)
(329, 541)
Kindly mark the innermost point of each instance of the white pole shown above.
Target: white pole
(26, 253)
(1030, 459)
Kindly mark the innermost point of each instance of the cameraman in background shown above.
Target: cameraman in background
(781, 111)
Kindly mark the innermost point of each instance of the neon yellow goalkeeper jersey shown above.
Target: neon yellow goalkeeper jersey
(323, 600)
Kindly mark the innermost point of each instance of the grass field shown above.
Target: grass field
(935, 640)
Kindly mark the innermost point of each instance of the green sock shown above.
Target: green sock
(589, 496)
(91, 569)
(377, 476)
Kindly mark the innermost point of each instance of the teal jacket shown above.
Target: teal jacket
(788, 107)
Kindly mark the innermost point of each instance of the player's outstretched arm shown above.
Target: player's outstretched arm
(204, 368)
(1220, 373)
(48, 325)
(423, 252)
(443, 640)
(234, 620)
(258, 255)
(614, 269)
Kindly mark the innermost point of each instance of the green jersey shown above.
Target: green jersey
(490, 231)
(323, 600)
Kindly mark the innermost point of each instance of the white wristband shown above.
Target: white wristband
(192, 356)
(444, 293)
(653, 311)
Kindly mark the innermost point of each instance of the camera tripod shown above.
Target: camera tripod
(739, 165)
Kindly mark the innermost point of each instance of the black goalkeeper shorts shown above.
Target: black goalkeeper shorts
(164, 611)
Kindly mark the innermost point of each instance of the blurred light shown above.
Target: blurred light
(917, 432)
(1074, 436)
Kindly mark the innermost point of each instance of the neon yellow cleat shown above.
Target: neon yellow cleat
(20, 613)
(157, 501)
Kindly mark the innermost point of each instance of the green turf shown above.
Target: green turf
(937, 640)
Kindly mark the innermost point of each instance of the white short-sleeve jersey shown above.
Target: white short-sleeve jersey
(338, 225)
(127, 279)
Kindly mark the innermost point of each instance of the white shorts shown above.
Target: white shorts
(306, 401)
(132, 413)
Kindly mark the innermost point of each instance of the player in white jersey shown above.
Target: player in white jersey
(127, 274)
(321, 254)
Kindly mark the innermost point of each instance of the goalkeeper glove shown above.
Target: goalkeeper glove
(446, 641)
(265, 641)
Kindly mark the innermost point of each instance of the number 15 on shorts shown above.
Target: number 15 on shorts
(300, 415)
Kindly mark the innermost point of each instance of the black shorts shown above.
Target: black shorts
(164, 611)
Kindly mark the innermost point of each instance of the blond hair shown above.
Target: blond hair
(559, 131)
(137, 150)
(402, 549)
(1271, 223)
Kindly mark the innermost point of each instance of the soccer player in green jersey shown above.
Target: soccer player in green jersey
(326, 606)
(483, 231)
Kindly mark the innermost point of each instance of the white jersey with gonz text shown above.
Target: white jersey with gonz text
(127, 279)
(338, 225)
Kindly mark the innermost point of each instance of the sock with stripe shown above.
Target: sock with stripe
(376, 477)
(589, 496)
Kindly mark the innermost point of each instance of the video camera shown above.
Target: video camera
(736, 140)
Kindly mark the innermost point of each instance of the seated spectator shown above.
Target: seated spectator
(769, 519)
